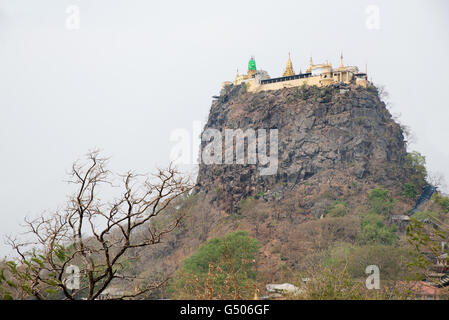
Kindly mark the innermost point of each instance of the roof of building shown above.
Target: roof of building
(252, 64)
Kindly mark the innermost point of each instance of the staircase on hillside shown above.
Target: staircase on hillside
(423, 198)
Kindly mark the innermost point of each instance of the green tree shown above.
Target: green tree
(416, 164)
(375, 231)
(409, 191)
(427, 239)
(338, 209)
(221, 268)
(381, 202)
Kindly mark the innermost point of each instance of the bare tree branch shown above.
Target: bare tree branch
(95, 234)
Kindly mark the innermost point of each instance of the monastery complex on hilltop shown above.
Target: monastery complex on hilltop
(316, 74)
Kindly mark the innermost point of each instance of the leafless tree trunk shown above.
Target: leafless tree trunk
(93, 234)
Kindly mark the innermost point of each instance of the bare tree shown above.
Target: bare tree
(93, 236)
(437, 180)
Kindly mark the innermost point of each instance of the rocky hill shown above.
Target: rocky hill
(329, 138)
(335, 145)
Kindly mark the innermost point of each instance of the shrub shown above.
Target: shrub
(260, 194)
(442, 201)
(338, 209)
(426, 215)
(416, 163)
(332, 284)
(322, 233)
(426, 239)
(375, 231)
(381, 202)
(325, 93)
(246, 202)
(220, 268)
(336, 283)
(391, 260)
(409, 191)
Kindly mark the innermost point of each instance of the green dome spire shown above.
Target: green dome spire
(252, 64)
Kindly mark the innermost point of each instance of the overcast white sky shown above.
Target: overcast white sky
(136, 70)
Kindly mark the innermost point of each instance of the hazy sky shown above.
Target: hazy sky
(135, 71)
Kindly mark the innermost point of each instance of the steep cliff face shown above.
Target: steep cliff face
(335, 137)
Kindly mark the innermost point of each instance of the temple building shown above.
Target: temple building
(289, 68)
(316, 74)
(252, 70)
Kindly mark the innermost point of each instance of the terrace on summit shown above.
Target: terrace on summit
(316, 74)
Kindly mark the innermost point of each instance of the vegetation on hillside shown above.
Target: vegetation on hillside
(221, 268)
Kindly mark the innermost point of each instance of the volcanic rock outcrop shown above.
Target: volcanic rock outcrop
(333, 137)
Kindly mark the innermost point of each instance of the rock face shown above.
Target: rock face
(338, 132)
